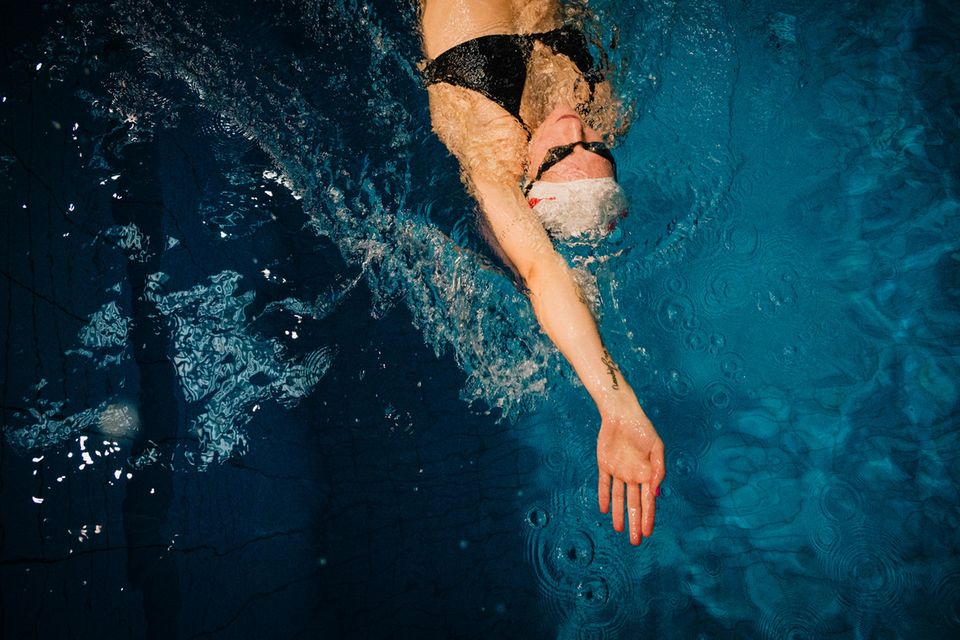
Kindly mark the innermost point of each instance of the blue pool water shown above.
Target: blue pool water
(261, 379)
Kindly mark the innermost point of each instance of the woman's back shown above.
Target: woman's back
(447, 23)
(488, 132)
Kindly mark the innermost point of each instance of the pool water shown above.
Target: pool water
(262, 379)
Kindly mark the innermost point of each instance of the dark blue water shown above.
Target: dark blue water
(261, 378)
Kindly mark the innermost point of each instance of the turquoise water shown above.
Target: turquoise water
(261, 378)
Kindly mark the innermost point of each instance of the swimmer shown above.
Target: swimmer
(516, 98)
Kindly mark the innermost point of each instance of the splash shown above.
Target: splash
(462, 306)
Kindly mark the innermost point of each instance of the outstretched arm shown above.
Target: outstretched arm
(629, 451)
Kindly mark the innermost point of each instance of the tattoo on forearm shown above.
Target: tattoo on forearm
(611, 369)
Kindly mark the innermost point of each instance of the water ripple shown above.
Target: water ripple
(606, 597)
(555, 460)
(683, 463)
(727, 288)
(794, 621)
(587, 589)
(676, 312)
(742, 239)
(839, 501)
(732, 366)
(825, 538)
(707, 242)
(536, 555)
(871, 571)
(676, 283)
(947, 595)
(538, 517)
(696, 340)
(678, 384)
(791, 356)
(576, 548)
(718, 342)
(779, 286)
(699, 437)
(718, 397)
(712, 564)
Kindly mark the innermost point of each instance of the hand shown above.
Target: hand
(629, 452)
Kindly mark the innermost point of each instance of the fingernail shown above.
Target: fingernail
(656, 491)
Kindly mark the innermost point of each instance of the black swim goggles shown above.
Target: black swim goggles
(556, 154)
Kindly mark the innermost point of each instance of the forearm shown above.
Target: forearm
(557, 300)
(566, 319)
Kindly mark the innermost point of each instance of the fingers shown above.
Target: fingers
(656, 466)
(617, 504)
(604, 492)
(641, 494)
(648, 505)
(652, 489)
(633, 512)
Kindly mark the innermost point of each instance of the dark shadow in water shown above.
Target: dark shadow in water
(150, 566)
(379, 507)
(420, 531)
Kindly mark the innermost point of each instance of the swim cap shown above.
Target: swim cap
(576, 208)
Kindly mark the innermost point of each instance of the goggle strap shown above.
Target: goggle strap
(556, 154)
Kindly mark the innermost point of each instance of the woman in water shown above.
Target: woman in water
(515, 96)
